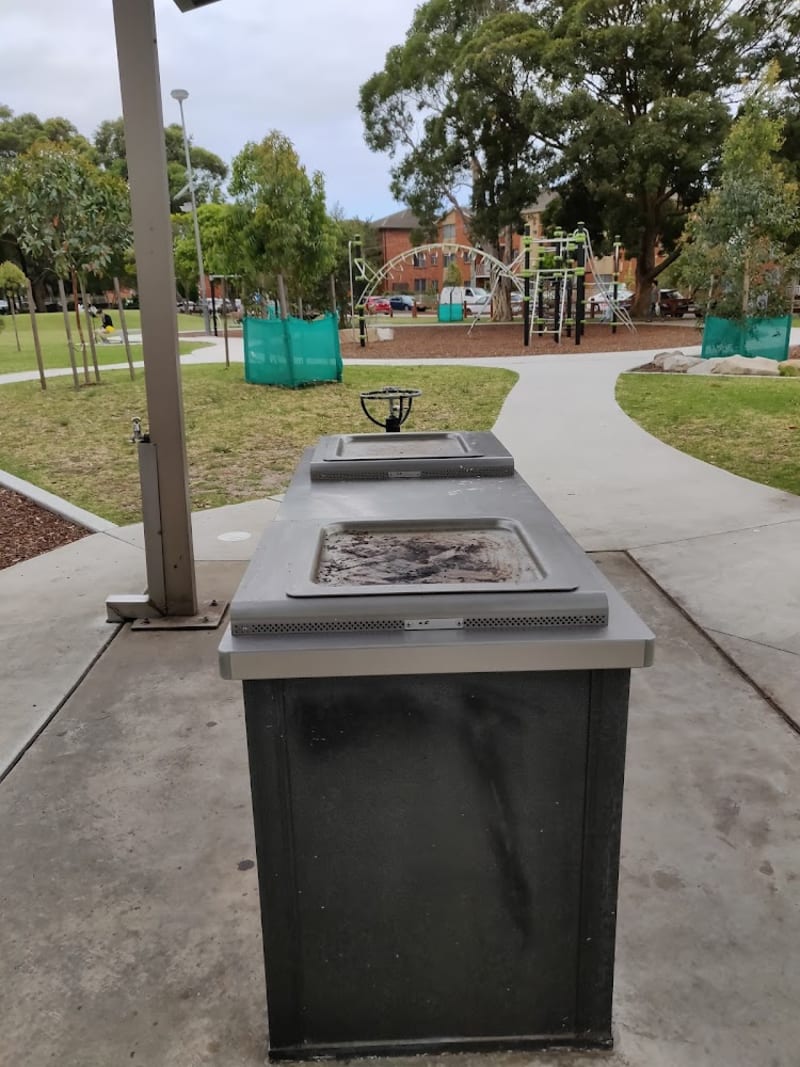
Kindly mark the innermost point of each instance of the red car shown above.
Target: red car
(378, 305)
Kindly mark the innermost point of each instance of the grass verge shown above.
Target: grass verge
(54, 342)
(243, 441)
(749, 426)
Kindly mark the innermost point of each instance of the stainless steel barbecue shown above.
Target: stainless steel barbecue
(435, 683)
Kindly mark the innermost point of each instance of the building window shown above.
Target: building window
(468, 257)
(434, 258)
(435, 285)
(448, 258)
(420, 285)
(449, 231)
(418, 259)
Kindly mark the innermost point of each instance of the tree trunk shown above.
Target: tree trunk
(80, 327)
(39, 296)
(646, 271)
(745, 282)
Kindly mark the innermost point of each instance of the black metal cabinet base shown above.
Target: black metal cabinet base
(438, 859)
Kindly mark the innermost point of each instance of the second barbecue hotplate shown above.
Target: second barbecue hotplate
(451, 454)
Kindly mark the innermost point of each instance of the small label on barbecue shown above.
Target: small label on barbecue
(433, 624)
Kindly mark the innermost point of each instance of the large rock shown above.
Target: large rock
(747, 365)
(705, 366)
(758, 365)
(658, 360)
(678, 363)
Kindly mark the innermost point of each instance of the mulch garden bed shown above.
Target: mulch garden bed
(26, 530)
(453, 342)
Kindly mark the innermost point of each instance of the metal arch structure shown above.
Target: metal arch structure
(374, 278)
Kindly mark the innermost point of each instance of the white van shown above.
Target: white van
(476, 298)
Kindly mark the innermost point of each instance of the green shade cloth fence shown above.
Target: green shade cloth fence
(291, 352)
(451, 312)
(757, 337)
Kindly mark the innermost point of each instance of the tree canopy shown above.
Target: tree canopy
(453, 106)
(740, 239)
(219, 238)
(623, 107)
(19, 132)
(281, 216)
(208, 170)
(64, 210)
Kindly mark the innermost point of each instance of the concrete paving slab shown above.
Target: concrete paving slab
(52, 626)
(131, 927)
(775, 672)
(745, 583)
(228, 533)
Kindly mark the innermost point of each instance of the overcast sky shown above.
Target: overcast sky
(248, 65)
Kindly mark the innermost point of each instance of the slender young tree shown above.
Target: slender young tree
(281, 217)
(740, 244)
(68, 213)
(13, 284)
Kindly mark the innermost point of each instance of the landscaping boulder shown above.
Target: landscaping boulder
(675, 362)
(658, 360)
(737, 364)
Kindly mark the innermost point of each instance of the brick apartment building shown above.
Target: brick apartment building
(425, 272)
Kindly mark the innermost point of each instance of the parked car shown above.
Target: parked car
(378, 305)
(3, 307)
(598, 303)
(476, 299)
(402, 302)
(672, 304)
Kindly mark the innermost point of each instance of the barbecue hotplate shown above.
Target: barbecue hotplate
(451, 454)
(364, 558)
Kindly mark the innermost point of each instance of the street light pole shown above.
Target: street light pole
(180, 95)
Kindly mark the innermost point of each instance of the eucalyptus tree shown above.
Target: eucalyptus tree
(455, 106)
(13, 283)
(741, 242)
(623, 106)
(641, 102)
(209, 171)
(281, 217)
(64, 211)
(220, 239)
(18, 133)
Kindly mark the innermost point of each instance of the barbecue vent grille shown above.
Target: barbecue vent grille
(527, 622)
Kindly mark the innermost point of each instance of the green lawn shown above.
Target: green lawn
(243, 440)
(54, 341)
(749, 426)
